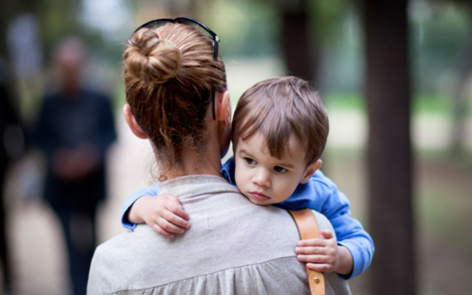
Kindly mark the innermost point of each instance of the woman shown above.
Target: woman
(176, 94)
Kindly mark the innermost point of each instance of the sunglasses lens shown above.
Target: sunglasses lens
(186, 21)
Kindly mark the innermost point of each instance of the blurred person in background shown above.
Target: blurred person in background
(74, 130)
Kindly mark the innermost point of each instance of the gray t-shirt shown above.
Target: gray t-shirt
(232, 247)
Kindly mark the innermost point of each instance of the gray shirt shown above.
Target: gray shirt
(232, 247)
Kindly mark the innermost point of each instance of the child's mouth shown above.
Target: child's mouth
(259, 196)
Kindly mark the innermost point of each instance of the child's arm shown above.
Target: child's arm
(322, 195)
(325, 255)
(349, 232)
(163, 213)
(131, 199)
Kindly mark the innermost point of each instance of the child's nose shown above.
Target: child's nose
(261, 178)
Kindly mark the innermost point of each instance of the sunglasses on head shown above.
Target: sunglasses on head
(196, 25)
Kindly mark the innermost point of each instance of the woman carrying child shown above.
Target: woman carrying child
(177, 98)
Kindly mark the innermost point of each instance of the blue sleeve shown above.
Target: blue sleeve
(133, 197)
(349, 232)
(322, 195)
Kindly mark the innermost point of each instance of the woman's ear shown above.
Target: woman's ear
(310, 170)
(223, 112)
(131, 121)
(223, 121)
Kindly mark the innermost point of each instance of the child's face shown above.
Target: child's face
(266, 180)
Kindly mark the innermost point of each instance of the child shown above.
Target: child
(279, 132)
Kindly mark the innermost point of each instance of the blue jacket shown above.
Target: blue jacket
(319, 194)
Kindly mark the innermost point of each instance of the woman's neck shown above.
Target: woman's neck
(205, 159)
(196, 163)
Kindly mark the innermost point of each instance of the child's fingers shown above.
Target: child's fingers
(179, 211)
(173, 204)
(169, 227)
(175, 220)
(161, 231)
(327, 234)
(313, 258)
(312, 242)
(321, 267)
(317, 262)
(311, 250)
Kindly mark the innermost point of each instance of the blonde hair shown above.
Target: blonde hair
(169, 72)
(279, 108)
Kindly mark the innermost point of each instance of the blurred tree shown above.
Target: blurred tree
(8, 120)
(5, 13)
(10, 9)
(56, 18)
(300, 53)
(459, 95)
(393, 270)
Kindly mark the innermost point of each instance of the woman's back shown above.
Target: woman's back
(233, 247)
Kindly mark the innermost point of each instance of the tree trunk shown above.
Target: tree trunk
(459, 101)
(300, 54)
(393, 270)
(6, 14)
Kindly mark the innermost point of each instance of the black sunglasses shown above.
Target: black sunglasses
(194, 24)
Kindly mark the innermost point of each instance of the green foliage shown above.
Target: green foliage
(438, 35)
(247, 28)
(252, 27)
(328, 17)
(57, 19)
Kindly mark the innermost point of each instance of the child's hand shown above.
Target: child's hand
(324, 255)
(163, 213)
(319, 254)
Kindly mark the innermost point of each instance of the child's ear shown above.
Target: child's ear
(131, 121)
(310, 170)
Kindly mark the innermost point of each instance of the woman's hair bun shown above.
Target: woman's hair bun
(150, 58)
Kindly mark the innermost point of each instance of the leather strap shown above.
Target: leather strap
(308, 229)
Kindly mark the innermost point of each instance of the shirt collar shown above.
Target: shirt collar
(227, 170)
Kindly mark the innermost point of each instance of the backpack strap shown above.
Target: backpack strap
(308, 229)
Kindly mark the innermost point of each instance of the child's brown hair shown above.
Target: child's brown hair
(278, 108)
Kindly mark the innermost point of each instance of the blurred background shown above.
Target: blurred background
(396, 78)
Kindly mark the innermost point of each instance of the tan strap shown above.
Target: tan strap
(308, 229)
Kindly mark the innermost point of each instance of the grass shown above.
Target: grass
(345, 101)
(421, 103)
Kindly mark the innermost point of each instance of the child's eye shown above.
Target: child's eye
(280, 169)
(250, 161)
